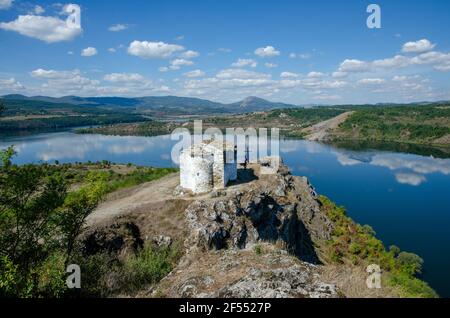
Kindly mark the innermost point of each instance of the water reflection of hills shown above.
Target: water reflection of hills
(422, 150)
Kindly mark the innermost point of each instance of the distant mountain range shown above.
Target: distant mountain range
(161, 104)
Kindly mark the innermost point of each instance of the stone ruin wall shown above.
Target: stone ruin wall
(196, 173)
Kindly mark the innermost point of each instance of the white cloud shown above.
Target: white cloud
(118, 27)
(410, 179)
(5, 4)
(240, 74)
(303, 56)
(315, 74)
(289, 75)
(11, 84)
(244, 62)
(89, 51)
(194, 73)
(438, 60)
(371, 81)
(270, 65)
(353, 65)
(38, 10)
(178, 63)
(397, 61)
(327, 97)
(46, 28)
(124, 77)
(420, 46)
(52, 74)
(339, 74)
(268, 51)
(147, 50)
(190, 54)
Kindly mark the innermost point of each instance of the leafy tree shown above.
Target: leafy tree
(410, 262)
(39, 223)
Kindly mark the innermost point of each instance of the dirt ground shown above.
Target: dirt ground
(319, 132)
(133, 199)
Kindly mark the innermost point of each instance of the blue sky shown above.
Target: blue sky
(292, 51)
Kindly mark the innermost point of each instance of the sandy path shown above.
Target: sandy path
(320, 131)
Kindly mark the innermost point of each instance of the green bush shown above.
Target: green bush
(411, 263)
(148, 266)
(258, 249)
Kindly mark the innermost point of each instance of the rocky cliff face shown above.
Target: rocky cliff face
(277, 208)
(260, 237)
(257, 239)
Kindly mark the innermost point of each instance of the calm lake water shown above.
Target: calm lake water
(405, 197)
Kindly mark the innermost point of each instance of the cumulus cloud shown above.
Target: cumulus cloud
(124, 77)
(89, 51)
(72, 82)
(420, 46)
(424, 56)
(353, 65)
(148, 50)
(244, 62)
(270, 65)
(241, 74)
(315, 74)
(410, 179)
(118, 27)
(47, 28)
(38, 10)
(178, 63)
(339, 74)
(11, 84)
(371, 81)
(194, 73)
(190, 54)
(52, 74)
(303, 56)
(5, 4)
(268, 51)
(289, 75)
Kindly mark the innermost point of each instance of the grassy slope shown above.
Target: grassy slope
(117, 176)
(407, 124)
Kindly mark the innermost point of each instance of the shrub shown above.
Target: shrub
(410, 262)
(148, 266)
(258, 249)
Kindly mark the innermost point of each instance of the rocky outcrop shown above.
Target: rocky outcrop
(295, 281)
(120, 238)
(277, 208)
(256, 239)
